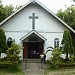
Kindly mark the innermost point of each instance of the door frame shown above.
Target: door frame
(25, 50)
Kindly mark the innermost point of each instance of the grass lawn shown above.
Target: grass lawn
(6, 72)
(66, 71)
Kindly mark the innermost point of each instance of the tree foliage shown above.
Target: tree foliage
(18, 7)
(3, 45)
(13, 54)
(5, 11)
(74, 48)
(55, 60)
(67, 43)
(68, 16)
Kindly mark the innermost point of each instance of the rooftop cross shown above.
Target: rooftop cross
(33, 17)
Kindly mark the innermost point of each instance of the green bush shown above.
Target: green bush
(12, 60)
(5, 64)
(13, 52)
(66, 64)
(53, 62)
(3, 45)
(4, 59)
(13, 55)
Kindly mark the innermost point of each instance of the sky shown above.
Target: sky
(53, 5)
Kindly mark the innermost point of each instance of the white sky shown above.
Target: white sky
(53, 5)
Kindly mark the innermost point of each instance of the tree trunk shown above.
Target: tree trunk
(67, 57)
(0, 56)
(74, 57)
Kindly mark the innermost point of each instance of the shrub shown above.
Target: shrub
(3, 45)
(5, 64)
(4, 59)
(67, 44)
(55, 60)
(66, 64)
(13, 54)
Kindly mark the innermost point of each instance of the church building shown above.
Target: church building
(35, 28)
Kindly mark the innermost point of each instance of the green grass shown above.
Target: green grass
(63, 71)
(7, 72)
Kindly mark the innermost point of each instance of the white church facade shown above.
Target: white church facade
(35, 28)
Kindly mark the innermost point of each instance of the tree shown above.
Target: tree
(13, 54)
(74, 48)
(18, 7)
(2, 15)
(8, 10)
(3, 45)
(67, 43)
(68, 15)
(5, 11)
(55, 59)
(56, 55)
(49, 49)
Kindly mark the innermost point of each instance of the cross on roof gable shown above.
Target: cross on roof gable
(39, 3)
(33, 17)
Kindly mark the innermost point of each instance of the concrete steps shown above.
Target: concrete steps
(32, 60)
(32, 64)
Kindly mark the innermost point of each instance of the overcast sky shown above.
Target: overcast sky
(53, 5)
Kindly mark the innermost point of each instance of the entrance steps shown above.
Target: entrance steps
(32, 64)
(32, 60)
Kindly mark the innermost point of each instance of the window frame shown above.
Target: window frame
(56, 42)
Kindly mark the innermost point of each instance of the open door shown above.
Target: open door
(25, 50)
(41, 47)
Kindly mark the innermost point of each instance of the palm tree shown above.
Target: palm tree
(49, 49)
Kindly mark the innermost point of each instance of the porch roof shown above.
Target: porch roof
(36, 33)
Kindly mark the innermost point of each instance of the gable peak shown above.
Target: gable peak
(33, 1)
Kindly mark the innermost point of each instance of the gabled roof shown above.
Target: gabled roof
(36, 1)
(36, 33)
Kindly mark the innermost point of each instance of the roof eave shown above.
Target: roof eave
(15, 12)
(56, 16)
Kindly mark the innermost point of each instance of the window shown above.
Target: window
(9, 41)
(56, 42)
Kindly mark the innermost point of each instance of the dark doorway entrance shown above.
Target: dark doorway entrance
(33, 50)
